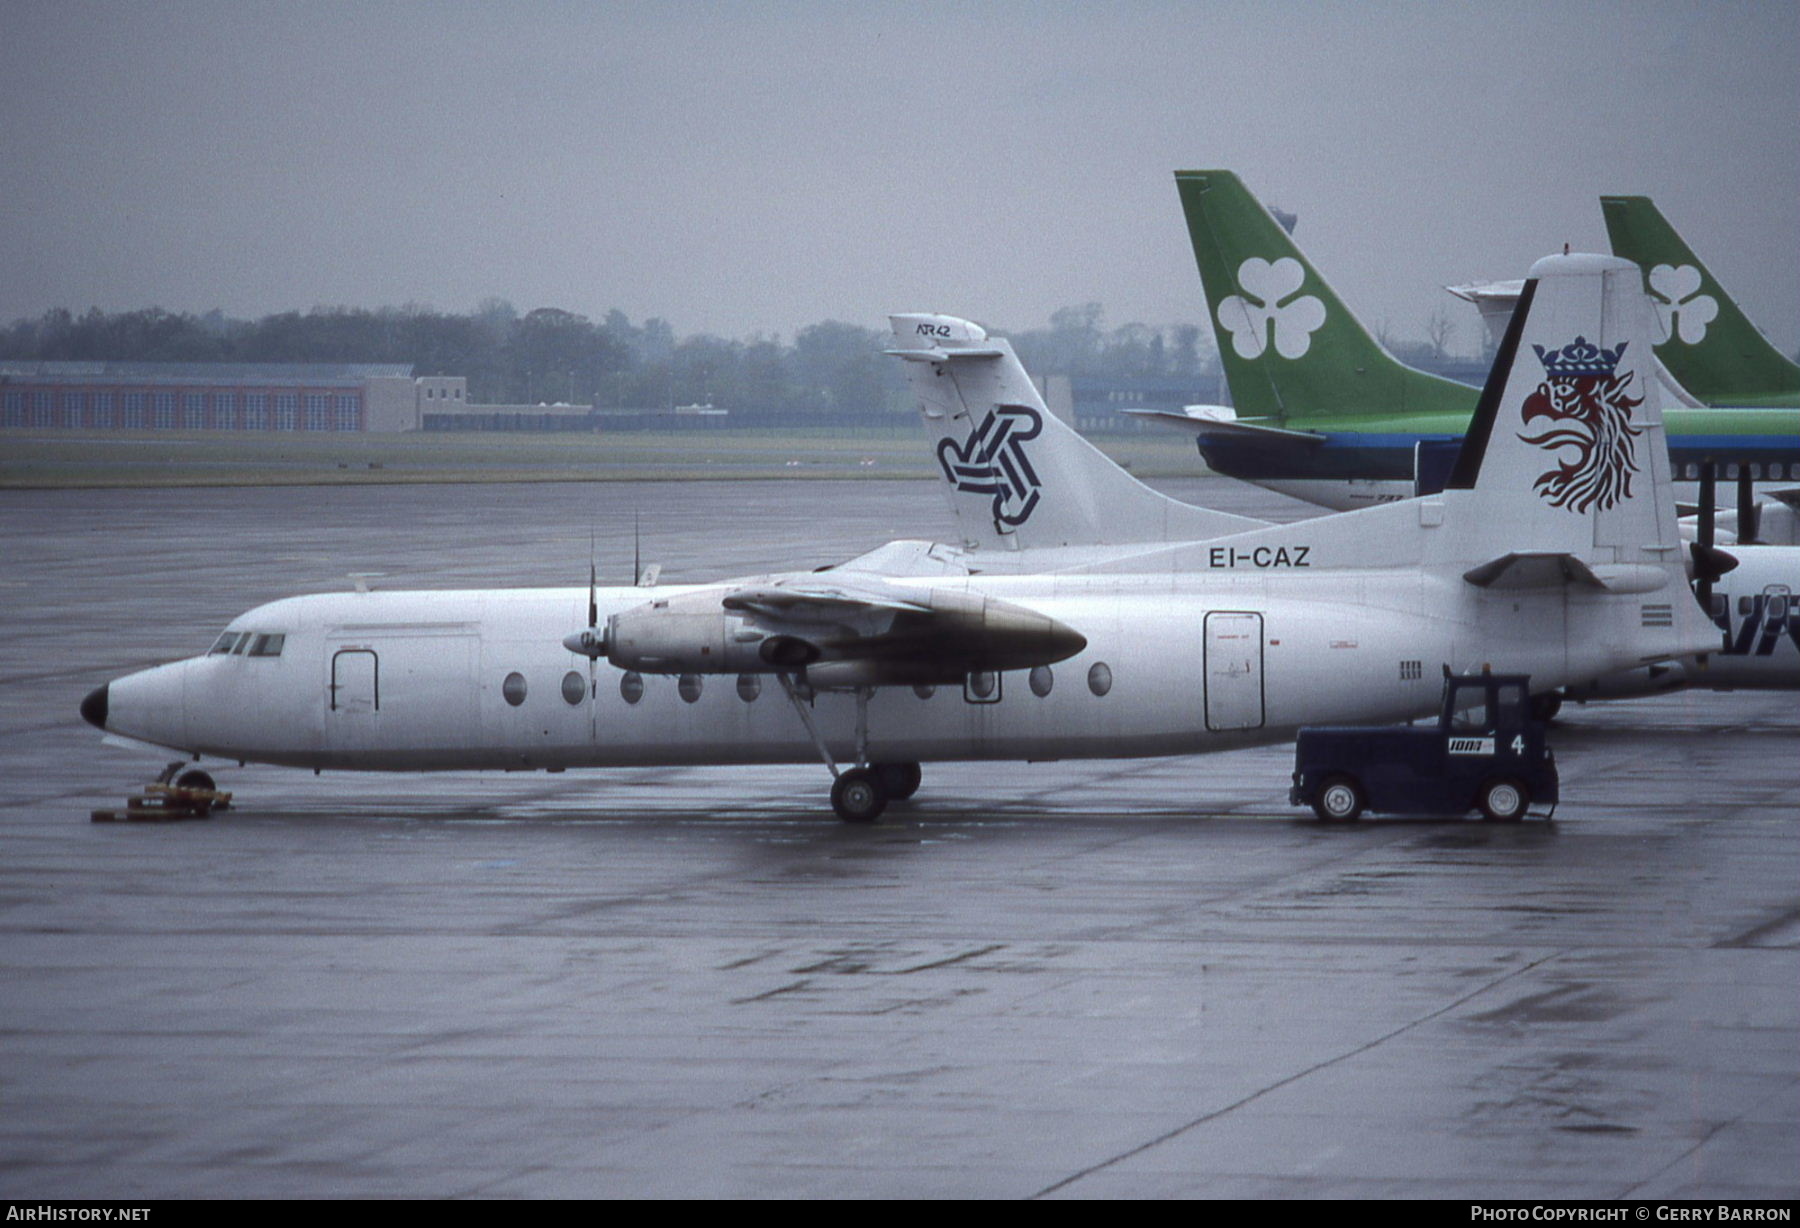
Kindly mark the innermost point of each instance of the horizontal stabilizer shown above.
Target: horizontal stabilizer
(1532, 570)
(1236, 428)
(1542, 570)
(932, 353)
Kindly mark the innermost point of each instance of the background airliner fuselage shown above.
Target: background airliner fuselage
(1324, 414)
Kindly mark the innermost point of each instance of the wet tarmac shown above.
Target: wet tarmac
(1121, 979)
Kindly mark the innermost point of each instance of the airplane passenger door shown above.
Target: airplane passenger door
(1234, 670)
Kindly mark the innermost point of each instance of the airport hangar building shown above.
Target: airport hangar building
(209, 396)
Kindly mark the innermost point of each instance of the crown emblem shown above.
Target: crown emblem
(1580, 357)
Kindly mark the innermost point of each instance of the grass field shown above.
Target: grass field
(47, 459)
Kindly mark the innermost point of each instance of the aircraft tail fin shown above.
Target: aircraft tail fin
(1016, 476)
(1703, 338)
(1566, 455)
(1289, 346)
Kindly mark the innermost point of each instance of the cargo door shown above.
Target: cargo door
(355, 683)
(352, 697)
(409, 690)
(1234, 670)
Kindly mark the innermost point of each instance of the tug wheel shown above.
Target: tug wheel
(1340, 799)
(1504, 800)
(858, 796)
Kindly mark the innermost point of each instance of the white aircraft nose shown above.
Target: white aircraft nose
(149, 705)
(93, 708)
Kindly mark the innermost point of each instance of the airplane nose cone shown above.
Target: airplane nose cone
(93, 708)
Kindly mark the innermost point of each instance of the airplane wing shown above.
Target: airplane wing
(811, 602)
(842, 631)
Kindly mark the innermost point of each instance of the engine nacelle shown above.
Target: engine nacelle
(933, 638)
(663, 638)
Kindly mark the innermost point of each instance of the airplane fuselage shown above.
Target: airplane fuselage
(1759, 626)
(1373, 458)
(1173, 665)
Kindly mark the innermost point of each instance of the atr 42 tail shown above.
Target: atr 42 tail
(1704, 340)
(1016, 476)
(1290, 348)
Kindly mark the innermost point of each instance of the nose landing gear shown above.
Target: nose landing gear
(192, 795)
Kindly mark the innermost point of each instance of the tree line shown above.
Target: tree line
(549, 355)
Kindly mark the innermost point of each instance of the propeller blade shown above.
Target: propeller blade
(1746, 506)
(1708, 505)
(1703, 543)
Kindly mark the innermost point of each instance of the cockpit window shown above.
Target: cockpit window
(248, 644)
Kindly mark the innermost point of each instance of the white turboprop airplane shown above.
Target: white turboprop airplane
(1082, 614)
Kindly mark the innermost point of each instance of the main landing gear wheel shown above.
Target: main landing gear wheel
(858, 795)
(900, 780)
(1545, 707)
(1504, 800)
(1340, 800)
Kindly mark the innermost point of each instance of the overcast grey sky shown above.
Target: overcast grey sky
(756, 167)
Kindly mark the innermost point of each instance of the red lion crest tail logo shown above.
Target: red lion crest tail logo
(1590, 429)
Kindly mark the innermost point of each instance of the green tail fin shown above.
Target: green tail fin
(1290, 347)
(1707, 344)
